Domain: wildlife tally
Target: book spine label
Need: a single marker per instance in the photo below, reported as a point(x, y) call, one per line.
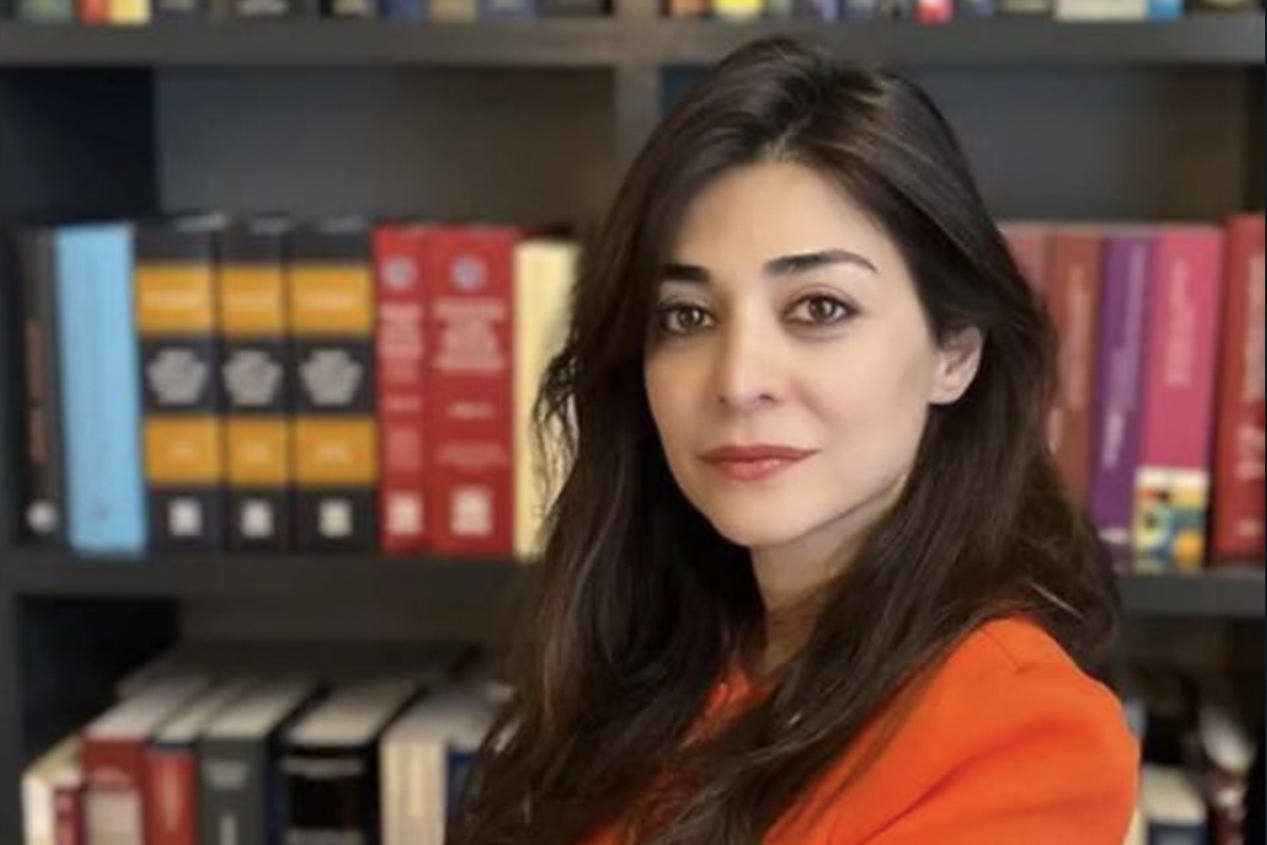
point(330, 796)
point(171, 793)
point(1172, 484)
point(1123, 335)
point(233, 793)
point(257, 387)
point(100, 392)
point(1073, 294)
point(332, 353)
point(176, 320)
point(400, 260)
point(68, 814)
point(1237, 531)
point(43, 501)
point(470, 400)
point(114, 790)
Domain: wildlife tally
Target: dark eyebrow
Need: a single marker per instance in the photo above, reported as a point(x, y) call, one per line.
point(784, 265)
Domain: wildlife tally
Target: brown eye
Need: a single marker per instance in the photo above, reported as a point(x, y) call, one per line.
point(681, 319)
point(820, 310)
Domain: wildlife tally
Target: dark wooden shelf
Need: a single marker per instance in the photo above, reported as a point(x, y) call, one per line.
point(53, 574)
point(1230, 40)
point(1231, 593)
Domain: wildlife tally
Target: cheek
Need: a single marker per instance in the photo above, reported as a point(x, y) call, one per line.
point(670, 397)
point(877, 404)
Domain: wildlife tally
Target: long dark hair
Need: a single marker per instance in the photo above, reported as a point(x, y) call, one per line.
point(644, 605)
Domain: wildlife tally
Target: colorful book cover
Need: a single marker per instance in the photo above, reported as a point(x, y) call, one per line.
point(401, 265)
point(257, 385)
point(182, 427)
point(470, 408)
point(1173, 481)
point(1073, 296)
point(100, 390)
point(1238, 501)
point(1123, 339)
point(335, 446)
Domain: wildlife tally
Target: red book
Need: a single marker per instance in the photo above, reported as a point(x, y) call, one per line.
point(400, 271)
point(933, 11)
point(1028, 244)
point(1173, 480)
point(172, 782)
point(94, 11)
point(1073, 296)
point(68, 810)
point(113, 758)
point(1238, 501)
point(470, 398)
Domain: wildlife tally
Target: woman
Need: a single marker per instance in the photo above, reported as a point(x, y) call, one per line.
point(811, 576)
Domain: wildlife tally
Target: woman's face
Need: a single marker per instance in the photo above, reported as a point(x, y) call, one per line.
point(791, 366)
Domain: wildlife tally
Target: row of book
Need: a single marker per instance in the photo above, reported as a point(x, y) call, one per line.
point(201, 756)
point(342, 385)
point(199, 384)
point(1157, 424)
point(1201, 768)
point(144, 12)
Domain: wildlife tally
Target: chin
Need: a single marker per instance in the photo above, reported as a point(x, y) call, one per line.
point(766, 528)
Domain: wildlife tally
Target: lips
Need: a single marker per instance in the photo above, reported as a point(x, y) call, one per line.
point(754, 463)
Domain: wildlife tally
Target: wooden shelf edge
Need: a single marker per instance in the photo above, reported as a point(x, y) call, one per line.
point(605, 43)
point(1234, 592)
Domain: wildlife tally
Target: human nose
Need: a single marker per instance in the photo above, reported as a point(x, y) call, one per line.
point(748, 371)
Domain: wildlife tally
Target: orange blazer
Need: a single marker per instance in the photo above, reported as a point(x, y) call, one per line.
point(1010, 743)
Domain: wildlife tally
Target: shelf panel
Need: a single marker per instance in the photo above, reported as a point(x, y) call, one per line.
point(54, 574)
point(316, 43)
point(607, 42)
point(1215, 40)
point(1231, 593)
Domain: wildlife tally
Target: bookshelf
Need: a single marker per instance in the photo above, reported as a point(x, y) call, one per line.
point(132, 121)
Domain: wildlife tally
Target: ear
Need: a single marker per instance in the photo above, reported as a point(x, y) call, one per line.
point(958, 359)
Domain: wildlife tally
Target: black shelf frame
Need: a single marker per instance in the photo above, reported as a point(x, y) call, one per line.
point(629, 40)
point(1234, 592)
point(638, 49)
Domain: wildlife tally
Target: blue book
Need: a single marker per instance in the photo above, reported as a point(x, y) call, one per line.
point(403, 10)
point(1165, 10)
point(105, 488)
point(490, 10)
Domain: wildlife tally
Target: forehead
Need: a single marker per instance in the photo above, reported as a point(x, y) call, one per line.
point(758, 211)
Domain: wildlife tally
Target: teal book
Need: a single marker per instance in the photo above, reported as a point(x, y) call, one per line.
point(100, 391)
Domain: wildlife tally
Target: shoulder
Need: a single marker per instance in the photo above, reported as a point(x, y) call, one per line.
point(1008, 741)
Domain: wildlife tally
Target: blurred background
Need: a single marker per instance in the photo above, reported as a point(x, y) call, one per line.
point(279, 278)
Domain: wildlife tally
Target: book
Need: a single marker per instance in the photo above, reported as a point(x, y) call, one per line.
point(54, 774)
point(401, 265)
point(182, 427)
point(426, 754)
point(1027, 242)
point(1073, 295)
point(329, 764)
point(335, 445)
point(1171, 806)
point(470, 383)
point(100, 391)
point(45, 11)
point(545, 271)
point(257, 385)
point(172, 766)
point(1101, 10)
point(113, 757)
point(1121, 346)
point(1238, 494)
point(44, 498)
point(1173, 480)
point(238, 792)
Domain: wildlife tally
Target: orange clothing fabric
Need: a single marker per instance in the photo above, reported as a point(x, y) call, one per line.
point(1010, 743)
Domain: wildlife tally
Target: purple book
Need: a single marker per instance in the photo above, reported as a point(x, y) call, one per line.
point(1119, 360)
